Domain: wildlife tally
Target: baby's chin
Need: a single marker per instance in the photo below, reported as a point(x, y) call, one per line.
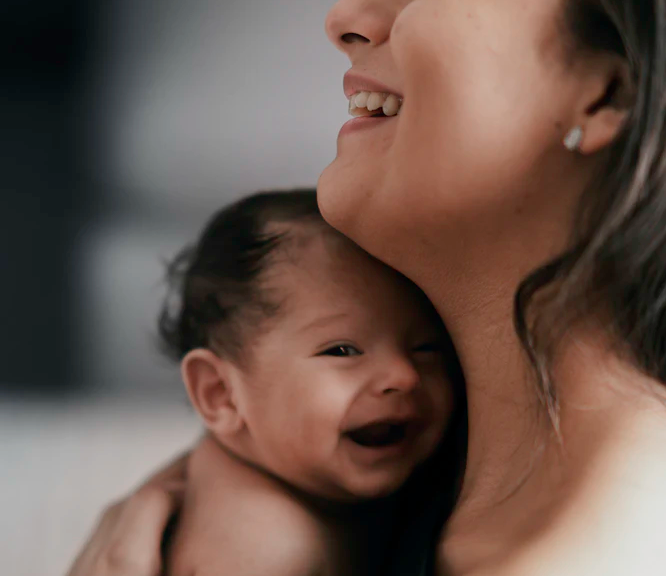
point(361, 490)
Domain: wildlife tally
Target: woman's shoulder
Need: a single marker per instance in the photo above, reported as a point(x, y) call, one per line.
point(615, 539)
point(572, 558)
point(568, 559)
point(609, 520)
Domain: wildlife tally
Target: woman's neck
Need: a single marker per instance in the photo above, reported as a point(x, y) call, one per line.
point(502, 402)
point(519, 474)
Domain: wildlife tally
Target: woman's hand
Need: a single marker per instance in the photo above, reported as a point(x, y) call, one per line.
point(127, 540)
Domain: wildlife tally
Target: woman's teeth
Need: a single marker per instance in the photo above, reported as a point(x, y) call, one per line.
point(374, 103)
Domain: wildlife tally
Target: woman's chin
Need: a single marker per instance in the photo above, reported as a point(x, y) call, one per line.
point(339, 198)
point(358, 209)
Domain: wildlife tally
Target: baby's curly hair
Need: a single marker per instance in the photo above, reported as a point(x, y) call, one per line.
point(215, 291)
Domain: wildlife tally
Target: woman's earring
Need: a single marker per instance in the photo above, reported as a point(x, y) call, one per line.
point(573, 139)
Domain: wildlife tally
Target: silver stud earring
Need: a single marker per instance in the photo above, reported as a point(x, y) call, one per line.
point(573, 139)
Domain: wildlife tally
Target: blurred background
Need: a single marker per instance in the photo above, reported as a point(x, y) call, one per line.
point(125, 124)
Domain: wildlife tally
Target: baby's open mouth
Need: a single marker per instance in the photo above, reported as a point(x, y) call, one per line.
point(374, 104)
point(378, 435)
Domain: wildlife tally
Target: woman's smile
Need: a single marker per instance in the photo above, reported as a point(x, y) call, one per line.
point(371, 103)
point(523, 189)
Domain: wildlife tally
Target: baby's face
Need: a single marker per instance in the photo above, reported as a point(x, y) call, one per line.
point(346, 391)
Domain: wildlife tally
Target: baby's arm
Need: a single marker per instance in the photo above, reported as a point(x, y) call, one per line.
point(237, 522)
point(263, 536)
point(281, 553)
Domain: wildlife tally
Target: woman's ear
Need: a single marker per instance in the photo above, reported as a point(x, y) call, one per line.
point(608, 97)
point(212, 385)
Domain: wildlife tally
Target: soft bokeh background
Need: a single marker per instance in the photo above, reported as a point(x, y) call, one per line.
point(125, 123)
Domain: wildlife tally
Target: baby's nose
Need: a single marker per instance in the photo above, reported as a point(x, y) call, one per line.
point(398, 375)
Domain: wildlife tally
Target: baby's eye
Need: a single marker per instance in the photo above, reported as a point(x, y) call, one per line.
point(341, 351)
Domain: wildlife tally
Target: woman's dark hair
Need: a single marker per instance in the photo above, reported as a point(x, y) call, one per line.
point(617, 261)
point(216, 294)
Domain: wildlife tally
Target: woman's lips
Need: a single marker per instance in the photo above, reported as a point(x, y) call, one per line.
point(364, 123)
point(354, 82)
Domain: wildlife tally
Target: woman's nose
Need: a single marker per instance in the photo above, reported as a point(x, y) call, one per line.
point(399, 375)
point(354, 23)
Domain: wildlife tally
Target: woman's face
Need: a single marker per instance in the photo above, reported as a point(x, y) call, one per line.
point(487, 96)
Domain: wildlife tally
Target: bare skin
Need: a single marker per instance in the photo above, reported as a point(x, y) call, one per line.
point(466, 192)
point(298, 535)
point(352, 345)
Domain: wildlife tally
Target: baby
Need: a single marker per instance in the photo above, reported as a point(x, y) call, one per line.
point(321, 377)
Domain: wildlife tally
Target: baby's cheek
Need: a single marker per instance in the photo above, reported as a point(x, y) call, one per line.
point(441, 403)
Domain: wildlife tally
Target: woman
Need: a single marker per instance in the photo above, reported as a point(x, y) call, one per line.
point(523, 186)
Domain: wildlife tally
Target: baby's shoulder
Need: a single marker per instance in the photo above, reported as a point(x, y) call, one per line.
point(261, 535)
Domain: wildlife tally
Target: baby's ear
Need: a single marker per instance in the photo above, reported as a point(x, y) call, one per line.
point(211, 384)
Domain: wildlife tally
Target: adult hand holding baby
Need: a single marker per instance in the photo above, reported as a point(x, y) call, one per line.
point(127, 540)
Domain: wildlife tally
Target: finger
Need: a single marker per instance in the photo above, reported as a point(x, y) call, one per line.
point(96, 542)
point(137, 537)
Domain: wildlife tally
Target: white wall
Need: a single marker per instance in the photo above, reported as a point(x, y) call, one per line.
point(205, 98)
point(198, 102)
point(61, 465)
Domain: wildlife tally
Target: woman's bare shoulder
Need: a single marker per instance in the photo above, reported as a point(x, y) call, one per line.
point(603, 545)
point(608, 522)
point(572, 559)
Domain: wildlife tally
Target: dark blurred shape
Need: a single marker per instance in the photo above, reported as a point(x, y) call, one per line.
point(46, 59)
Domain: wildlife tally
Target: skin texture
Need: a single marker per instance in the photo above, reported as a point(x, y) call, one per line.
point(354, 343)
point(282, 413)
point(217, 534)
point(465, 192)
point(293, 542)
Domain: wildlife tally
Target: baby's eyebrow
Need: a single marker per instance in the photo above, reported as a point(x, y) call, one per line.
point(323, 321)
